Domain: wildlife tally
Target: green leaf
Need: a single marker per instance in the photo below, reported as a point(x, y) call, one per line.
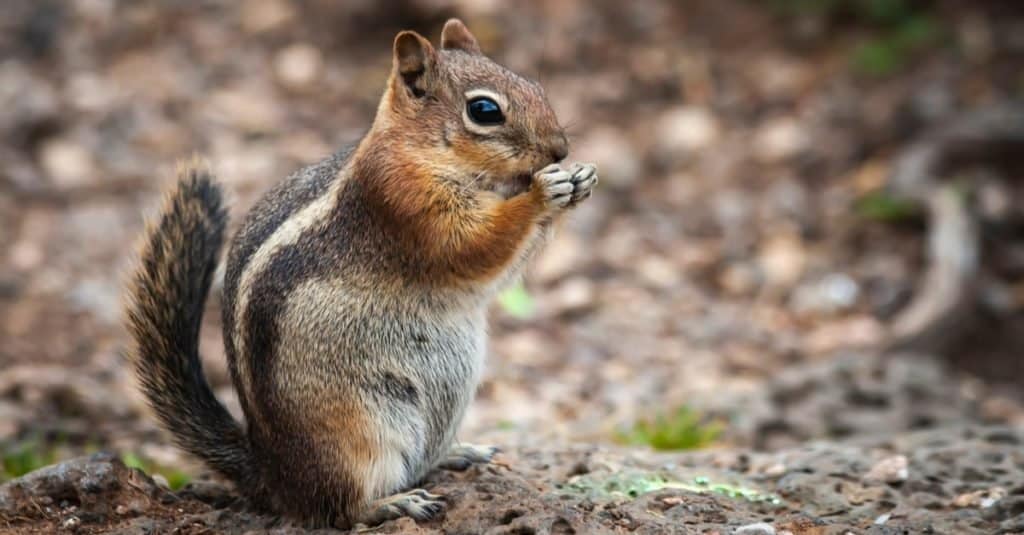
point(881, 206)
point(133, 461)
point(878, 57)
point(916, 31)
point(516, 302)
point(175, 478)
point(26, 457)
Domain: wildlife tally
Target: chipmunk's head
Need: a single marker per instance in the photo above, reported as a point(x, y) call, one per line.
point(473, 120)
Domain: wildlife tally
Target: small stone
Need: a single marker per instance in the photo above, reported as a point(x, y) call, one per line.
point(249, 109)
point(834, 293)
point(298, 66)
point(847, 332)
point(775, 470)
point(672, 500)
point(26, 255)
point(760, 528)
point(68, 164)
point(782, 260)
point(266, 15)
point(981, 499)
point(889, 470)
point(573, 295)
point(658, 271)
point(71, 523)
point(780, 139)
point(685, 129)
point(159, 479)
point(1002, 409)
point(739, 279)
point(121, 510)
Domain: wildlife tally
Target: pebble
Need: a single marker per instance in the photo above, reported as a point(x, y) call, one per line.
point(782, 260)
point(981, 499)
point(658, 271)
point(775, 470)
point(573, 295)
point(889, 470)
point(266, 15)
point(780, 139)
point(834, 293)
point(760, 528)
point(67, 163)
point(686, 129)
point(739, 279)
point(71, 523)
point(248, 109)
point(298, 66)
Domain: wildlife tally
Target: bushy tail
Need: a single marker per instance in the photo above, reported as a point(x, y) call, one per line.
point(166, 296)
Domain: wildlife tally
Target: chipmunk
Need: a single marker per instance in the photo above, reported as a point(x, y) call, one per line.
point(355, 292)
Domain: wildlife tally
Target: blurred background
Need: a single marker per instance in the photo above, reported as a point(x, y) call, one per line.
point(809, 223)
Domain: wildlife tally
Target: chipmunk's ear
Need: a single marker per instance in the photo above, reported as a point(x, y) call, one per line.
point(414, 61)
point(455, 36)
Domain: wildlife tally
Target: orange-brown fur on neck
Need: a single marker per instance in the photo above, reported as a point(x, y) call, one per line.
point(454, 233)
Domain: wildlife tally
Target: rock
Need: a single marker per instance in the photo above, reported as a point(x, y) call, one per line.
point(760, 528)
point(780, 139)
point(857, 331)
point(782, 259)
point(247, 108)
point(685, 129)
point(260, 16)
point(981, 499)
point(100, 485)
point(739, 278)
point(66, 163)
point(659, 272)
point(71, 523)
point(298, 66)
point(834, 293)
point(574, 295)
point(889, 470)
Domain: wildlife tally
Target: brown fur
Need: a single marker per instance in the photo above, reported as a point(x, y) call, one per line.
point(355, 291)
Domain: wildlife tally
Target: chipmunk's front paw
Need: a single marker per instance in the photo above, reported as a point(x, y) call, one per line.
point(462, 456)
point(556, 185)
point(584, 178)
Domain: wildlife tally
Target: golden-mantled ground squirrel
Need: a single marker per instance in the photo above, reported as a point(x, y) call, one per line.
point(356, 291)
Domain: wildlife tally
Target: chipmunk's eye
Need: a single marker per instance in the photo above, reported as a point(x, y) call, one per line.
point(485, 111)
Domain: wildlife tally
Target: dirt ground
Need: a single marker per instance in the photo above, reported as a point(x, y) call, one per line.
point(736, 260)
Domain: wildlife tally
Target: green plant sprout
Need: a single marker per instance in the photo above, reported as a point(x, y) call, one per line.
point(682, 429)
point(175, 478)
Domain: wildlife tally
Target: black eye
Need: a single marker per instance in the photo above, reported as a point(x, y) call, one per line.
point(485, 111)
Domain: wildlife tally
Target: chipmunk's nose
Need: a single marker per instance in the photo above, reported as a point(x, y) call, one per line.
point(559, 147)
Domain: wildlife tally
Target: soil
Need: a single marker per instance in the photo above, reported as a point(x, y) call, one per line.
point(731, 261)
point(959, 480)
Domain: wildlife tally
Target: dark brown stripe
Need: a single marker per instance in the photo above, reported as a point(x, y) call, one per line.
point(266, 216)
